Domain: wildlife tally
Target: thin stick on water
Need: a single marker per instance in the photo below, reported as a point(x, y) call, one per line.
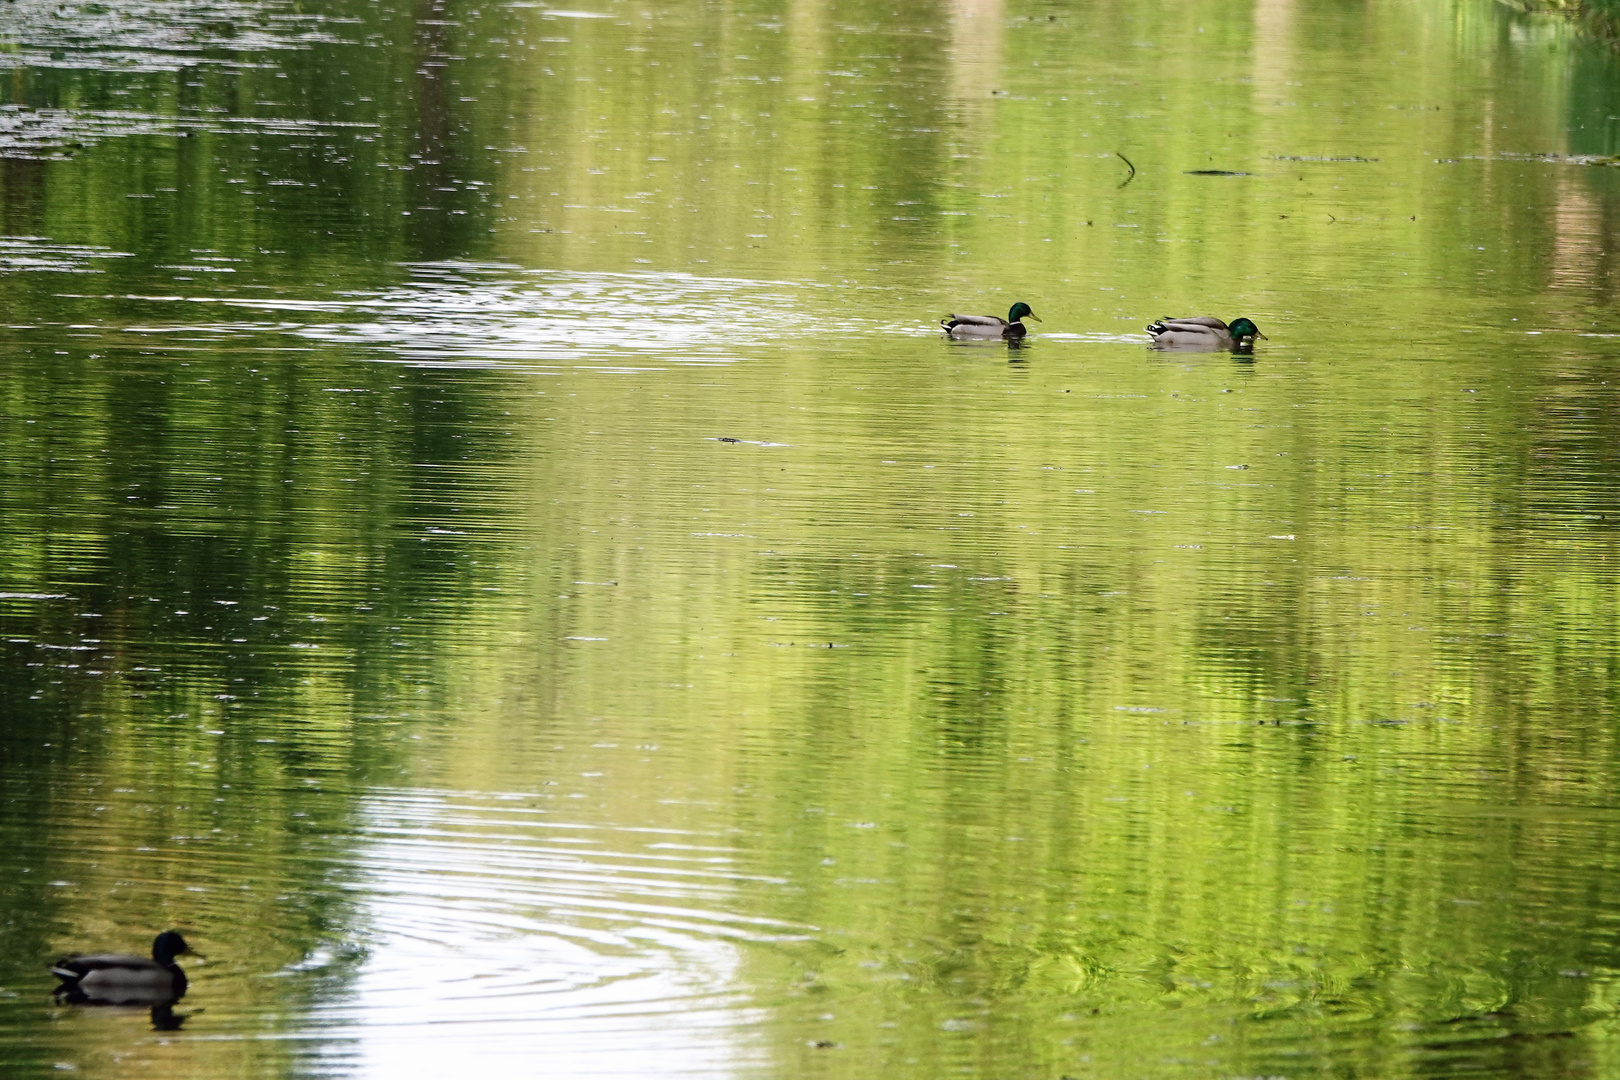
point(1128, 165)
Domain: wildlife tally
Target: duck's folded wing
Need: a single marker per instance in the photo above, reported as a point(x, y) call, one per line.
point(77, 967)
point(1193, 322)
point(974, 320)
point(1187, 330)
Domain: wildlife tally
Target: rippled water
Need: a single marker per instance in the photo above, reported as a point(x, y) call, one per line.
point(613, 948)
point(494, 547)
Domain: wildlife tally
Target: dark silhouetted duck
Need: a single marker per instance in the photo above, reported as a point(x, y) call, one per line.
point(117, 979)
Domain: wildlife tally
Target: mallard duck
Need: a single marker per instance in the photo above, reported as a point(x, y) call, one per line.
point(988, 326)
point(117, 979)
point(1204, 332)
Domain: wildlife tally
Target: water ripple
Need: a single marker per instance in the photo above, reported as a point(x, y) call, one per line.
point(25, 253)
point(29, 134)
point(464, 314)
point(152, 36)
point(621, 947)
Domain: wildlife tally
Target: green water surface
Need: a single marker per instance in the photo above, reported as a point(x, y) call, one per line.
point(494, 546)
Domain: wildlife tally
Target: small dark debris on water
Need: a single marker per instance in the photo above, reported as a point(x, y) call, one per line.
point(1308, 157)
point(727, 438)
point(824, 1044)
point(1129, 166)
point(1216, 172)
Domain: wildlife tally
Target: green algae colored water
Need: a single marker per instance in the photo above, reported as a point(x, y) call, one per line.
point(494, 546)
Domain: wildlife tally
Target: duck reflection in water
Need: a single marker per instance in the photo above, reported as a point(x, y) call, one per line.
point(122, 979)
point(1013, 345)
point(1016, 348)
point(164, 1018)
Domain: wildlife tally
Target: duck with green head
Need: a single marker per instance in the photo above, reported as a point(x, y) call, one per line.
point(1204, 333)
point(989, 326)
point(122, 979)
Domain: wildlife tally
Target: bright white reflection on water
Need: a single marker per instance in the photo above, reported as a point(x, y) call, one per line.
point(593, 950)
point(501, 316)
point(508, 316)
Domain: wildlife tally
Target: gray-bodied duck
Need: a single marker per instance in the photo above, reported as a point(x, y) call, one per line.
point(1204, 332)
point(988, 326)
point(120, 979)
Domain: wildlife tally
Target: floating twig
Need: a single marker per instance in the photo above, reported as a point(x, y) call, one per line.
point(1128, 165)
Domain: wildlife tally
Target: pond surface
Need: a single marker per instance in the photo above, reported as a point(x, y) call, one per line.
point(494, 546)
